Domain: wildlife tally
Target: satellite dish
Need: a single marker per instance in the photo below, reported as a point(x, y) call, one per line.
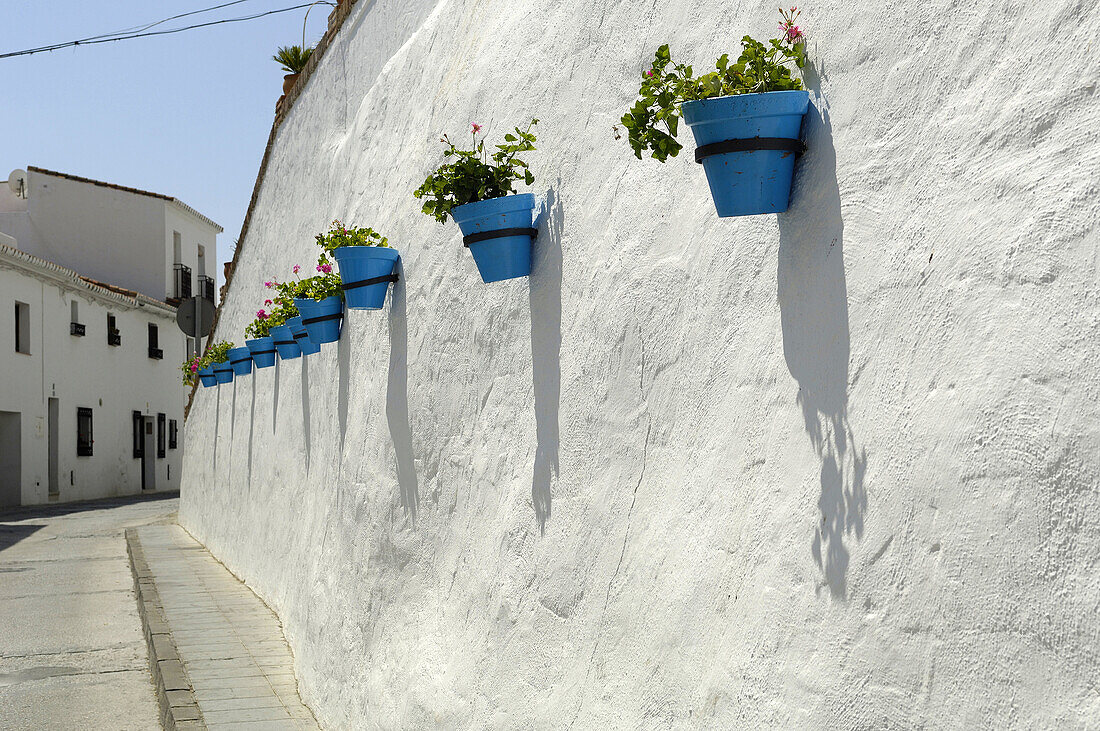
point(17, 181)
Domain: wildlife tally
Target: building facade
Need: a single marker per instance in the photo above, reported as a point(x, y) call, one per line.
point(146, 242)
point(91, 403)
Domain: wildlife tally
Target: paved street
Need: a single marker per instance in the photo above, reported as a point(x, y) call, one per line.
point(72, 654)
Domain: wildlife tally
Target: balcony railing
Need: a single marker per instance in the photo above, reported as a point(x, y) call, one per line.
point(114, 338)
point(76, 328)
point(206, 287)
point(182, 274)
point(156, 353)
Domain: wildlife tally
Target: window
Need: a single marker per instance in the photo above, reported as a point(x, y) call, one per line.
point(22, 328)
point(173, 434)
point(138, 434)
point(114, 337)
point(177, 248)
point(160, 435)
point(154, 350)
point(84, 439)
point(75, 326)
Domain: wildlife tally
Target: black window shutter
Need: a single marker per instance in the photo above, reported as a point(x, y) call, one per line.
point(160, 435)
point(83, 431)
point(173, 434)
point(139, 436)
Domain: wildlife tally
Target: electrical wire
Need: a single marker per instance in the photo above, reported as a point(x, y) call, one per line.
point(125, 36)
point(147, 26)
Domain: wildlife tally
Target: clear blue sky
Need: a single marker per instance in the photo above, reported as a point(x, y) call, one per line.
point(186, 115)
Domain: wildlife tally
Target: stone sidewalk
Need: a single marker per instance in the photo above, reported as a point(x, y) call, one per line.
point(219, 656)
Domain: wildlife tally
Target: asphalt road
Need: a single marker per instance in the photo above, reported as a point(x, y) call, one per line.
point(72, 654)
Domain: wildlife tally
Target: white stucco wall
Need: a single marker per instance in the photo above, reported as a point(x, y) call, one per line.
point(836, 468)
point(86, 371)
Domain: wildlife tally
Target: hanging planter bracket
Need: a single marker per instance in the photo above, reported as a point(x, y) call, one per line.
point(498, 234)
point(322, 318)
point(784, 144)
point(367, 282)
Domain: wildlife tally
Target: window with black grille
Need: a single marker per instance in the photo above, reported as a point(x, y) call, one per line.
point(160, 435)
point(173, 434)
point(83, 431)
point(138, 434)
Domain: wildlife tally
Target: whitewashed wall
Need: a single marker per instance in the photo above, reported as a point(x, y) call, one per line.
point(836, 468)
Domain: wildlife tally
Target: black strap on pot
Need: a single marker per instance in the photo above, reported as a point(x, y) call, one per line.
point(367, 282)
point(262, 352)
point(301, 335)
point(285, 342)
point(498, 234)
point(784, 144)
point(240, 360)
point(322, 318)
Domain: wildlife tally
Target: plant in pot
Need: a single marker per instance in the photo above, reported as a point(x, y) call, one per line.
point(197, 368)
point(282, 336)
point(475, 189)
point(320, 303)
point(292, 59)
point(367, 264)
point(746, 117)
point(261, 344)
point(217, 356)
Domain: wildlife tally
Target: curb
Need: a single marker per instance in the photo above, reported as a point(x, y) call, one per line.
point(178, 709)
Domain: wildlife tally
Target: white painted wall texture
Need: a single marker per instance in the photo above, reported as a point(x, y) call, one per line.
point(836, 468)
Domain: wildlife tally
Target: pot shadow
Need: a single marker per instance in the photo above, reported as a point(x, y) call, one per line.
point(397, 397)
point(813, 303)
point(233, 420)
point(305, 407)
point(251, 428)
point(343, 366)
point(545, 301)
point(217, 425)
point(275, 397)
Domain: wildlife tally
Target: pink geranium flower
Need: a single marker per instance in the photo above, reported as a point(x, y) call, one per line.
point(267, 302)
point(475, 127)
point(296, 268)
point(326, 268)
point(261, 314)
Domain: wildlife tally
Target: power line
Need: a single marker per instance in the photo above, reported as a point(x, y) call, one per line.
point(147, 26)
point(125, 36)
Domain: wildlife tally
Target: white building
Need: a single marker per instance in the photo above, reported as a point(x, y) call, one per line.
point(108, 232)
point(91, 403)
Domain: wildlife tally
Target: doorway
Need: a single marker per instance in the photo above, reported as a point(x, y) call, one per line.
point(11, 459)
point(55, 490)
point(149, 454)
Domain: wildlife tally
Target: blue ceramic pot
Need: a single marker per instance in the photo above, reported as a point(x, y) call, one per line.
point(262, 350)
point(322, 319)
point(503, 257)
point(752, 181)
point(285, 344)
point(223, 372)
point(206, 375)
point(361, 264)
point(241, 361)
point(307, 346)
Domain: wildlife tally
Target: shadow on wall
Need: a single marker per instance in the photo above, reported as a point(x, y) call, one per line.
point(305, 408)
point(813, 303)
point(343, 366)
point(397, 397)
point(545, 296)
point(251, 425)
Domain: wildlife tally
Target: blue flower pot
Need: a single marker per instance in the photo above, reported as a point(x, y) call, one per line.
point(755, 180)
point(262, 350)
point(206, 375)
point(241, 361)
point(307, 346)
point(285, 344)
point(322, 319)
point(363, 264)
point(223, 372)
point(499, 257)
